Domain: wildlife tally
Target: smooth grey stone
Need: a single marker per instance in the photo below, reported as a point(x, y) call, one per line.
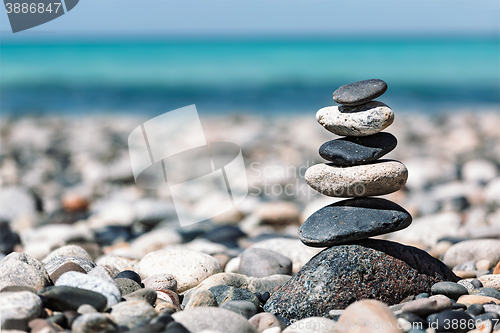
point(149, 295)
point(351, 220)
point(175, 327)
point(261, 263)
point(128, 314)
point(422, 295)
point(86, 308)
point(340, 275)
point(360, 92)
point(8, 238)
point(19, 269)
point(127, 286)
point(466, 266)
point(161, 282)
point(355, 150)
point(216, 319)
point(475, 309)
point(63, 298)
point(55, 262)
point(94, 323)
point(426, 306)
point(200, 297)
point(490, 292)
point(450, 289)
point(412, 318)
point(225, 293)
point(84, 281)
point(245, 308)
point(18, 308)
point(476, 283)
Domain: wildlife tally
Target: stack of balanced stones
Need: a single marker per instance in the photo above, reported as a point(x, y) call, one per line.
point(356, 170)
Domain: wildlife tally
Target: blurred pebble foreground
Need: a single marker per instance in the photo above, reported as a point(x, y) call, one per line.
point(68, 181)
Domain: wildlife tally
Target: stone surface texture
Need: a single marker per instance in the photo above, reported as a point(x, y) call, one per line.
point(360, 92)
point(378, 178)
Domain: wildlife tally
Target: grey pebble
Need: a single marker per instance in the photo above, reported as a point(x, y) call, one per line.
point(85, 281)
point(18, 308)
point(360, 92)
point(127, 286)
point(215, 319)
point(450, 289)
point(245, 308)
point(262, 263)
point(149, 295)
point(128, 314)
point(94, 323)
point(19, 269)
point(55, 262)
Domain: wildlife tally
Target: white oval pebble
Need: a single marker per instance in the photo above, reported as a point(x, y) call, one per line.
point(189, 268)
point(379, 178)
point(361, 120)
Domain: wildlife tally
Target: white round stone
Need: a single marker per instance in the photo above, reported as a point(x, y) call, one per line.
point(361, 120)
point(188, 267)
point(379, 178)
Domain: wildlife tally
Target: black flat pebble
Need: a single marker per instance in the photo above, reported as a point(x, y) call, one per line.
point(360, 92)
point(62, 298)
point(351, 220)
point(129, 275)
point(356, 150)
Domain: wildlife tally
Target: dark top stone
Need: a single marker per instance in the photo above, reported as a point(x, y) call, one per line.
point(360, 92)
point(449, 289)
point(353, 219)
point(340, 275)
point(355, 150)
point(62, 298)
point(475, 309)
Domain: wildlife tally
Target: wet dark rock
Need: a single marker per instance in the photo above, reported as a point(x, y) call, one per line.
point(360, 92)
point(341, 275)
point(355, 150)
point(62, 298)
point(449, 289)
point(445, 319)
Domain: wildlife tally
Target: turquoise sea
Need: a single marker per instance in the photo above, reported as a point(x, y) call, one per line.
point(245, 76)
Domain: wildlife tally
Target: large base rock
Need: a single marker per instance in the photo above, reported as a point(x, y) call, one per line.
point(370, 268)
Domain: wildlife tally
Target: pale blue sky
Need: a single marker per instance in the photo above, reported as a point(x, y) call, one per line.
point(269, 17)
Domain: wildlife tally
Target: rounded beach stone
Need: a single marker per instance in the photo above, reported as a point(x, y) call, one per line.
point(68, 250)
point(312, 325)
point(370, 316)
point(63, 298)
point(201, 297)
point(55, 262)
point(94, 322)
point(261, 263)
point(291, 248)
point(18, 308)
point(189, 268)
point(474, 309)
point(471, 299)
point(245, 308)
point(443, 320)
point(128, 314)
point(120, 263)
point(224, 294)
point(360, 92)
point(426, 306)
point(19, 269)
point(161, 282)
point(84, 281)
point(67, 267)
point(355, 150)
point(362, 120)
point(340, 275)
point(378, 178)
point(127, 286)
point(450, 289)
point(490, 281)
point(352, 219)
point(473, 250)
point(210, 318)
point(485, 291)
point(265, 320)
point(149, 295)
point(129, 275)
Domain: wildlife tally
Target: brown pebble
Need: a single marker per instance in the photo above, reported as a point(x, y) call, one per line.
point(41, 325)
point(67, 267)
point(471, 299)
point(222, 258)
point(465, 274)
point(497, 269)
point(73, 202)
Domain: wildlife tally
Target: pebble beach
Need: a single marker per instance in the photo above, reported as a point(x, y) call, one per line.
point(84, 249)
